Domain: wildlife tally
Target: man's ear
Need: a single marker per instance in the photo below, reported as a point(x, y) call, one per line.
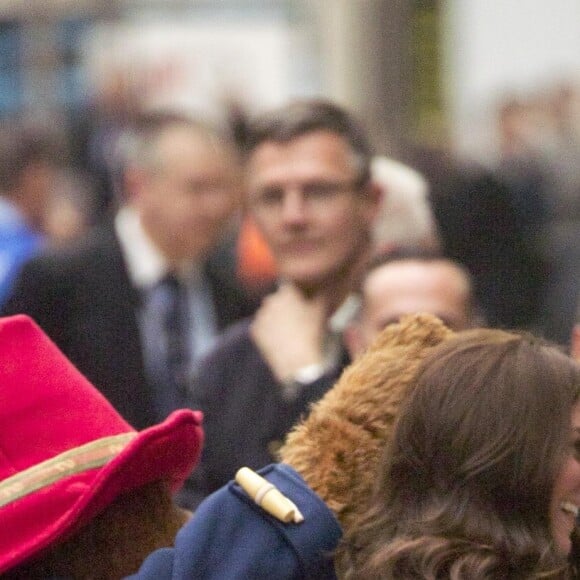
point(375, 198)
point(133, 180)
point(575, 343)
point(377, 194)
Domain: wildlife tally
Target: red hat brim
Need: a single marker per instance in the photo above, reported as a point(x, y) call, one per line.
point(167, 451)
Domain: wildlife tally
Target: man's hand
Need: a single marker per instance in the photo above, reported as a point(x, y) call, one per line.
point(289, 330)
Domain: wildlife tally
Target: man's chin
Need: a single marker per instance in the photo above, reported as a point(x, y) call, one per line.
point(309, 284)
point(313, 278)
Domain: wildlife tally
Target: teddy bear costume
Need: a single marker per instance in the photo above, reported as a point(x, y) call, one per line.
point(65, 454)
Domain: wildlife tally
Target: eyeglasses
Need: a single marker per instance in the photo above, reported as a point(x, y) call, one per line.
point(314, 194)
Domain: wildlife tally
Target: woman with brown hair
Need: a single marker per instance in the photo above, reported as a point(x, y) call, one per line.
point(482, 478)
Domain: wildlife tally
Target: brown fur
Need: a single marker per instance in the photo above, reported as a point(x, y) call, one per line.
point(337, 447)
point(115, 543)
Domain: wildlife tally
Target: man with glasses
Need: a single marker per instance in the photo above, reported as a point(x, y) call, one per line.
point(310, 194)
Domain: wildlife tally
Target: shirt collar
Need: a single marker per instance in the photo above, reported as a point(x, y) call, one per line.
point(145, 263)
point(344, 314)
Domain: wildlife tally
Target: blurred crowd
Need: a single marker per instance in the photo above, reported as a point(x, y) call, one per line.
point(239, 268)
point(540, 147)
point(173, 260)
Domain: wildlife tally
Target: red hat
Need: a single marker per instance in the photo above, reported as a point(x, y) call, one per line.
point(65, 453)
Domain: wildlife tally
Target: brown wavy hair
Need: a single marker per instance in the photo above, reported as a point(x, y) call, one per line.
point(465, 484)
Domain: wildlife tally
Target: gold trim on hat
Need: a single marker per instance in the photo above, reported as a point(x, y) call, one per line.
point(89, 456)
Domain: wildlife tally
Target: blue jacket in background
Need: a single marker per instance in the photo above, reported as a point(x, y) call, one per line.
point(230, 537)
point(18, 243)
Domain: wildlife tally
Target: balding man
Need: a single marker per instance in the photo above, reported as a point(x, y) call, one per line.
point(406, 282)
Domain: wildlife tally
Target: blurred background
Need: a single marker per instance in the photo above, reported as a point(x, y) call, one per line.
point(481, 83)
point(431, 70)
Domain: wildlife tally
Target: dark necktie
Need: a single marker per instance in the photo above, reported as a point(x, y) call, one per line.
point(176, 332)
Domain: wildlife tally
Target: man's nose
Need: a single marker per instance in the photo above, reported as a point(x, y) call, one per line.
point(294, 206)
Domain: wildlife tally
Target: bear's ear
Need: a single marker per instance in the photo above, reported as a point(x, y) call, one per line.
point(337, 447)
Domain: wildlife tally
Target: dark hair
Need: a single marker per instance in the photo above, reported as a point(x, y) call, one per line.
point(404, 253)
point(467, 480)
point(305, 116)
point(416, 254)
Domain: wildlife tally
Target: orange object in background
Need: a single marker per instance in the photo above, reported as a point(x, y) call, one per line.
point(256, 267)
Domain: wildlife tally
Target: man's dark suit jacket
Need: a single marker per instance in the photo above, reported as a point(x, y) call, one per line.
point(84, 300)
point(246, 416)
